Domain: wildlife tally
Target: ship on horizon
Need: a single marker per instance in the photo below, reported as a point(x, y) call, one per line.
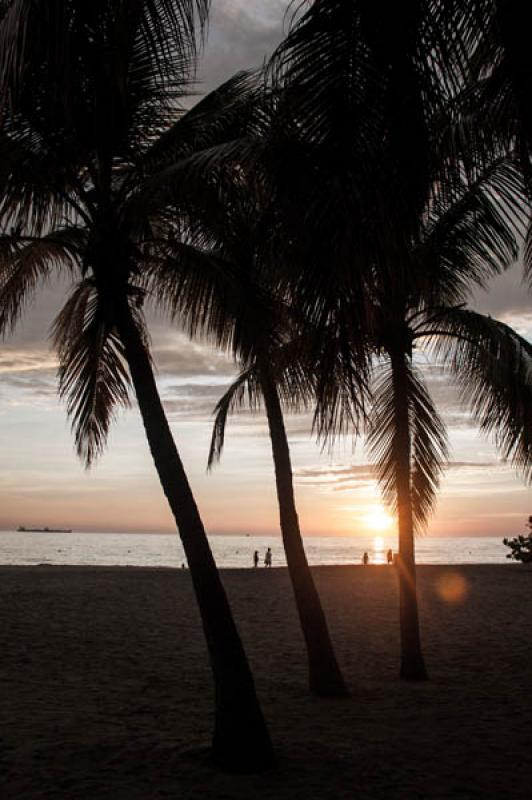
point(23, 529)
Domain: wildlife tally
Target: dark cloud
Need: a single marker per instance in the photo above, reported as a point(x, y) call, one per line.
point(505, 296)
point(242, 35)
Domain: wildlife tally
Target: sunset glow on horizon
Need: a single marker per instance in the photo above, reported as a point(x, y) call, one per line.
point(378, 520)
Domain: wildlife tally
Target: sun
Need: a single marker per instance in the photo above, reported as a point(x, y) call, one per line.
point(378, 520)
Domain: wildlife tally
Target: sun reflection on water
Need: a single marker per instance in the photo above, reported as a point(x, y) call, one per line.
point(378, 550)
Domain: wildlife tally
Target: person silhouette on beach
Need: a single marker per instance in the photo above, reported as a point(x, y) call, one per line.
point(256, 558)
point(365, 559)
point(389, 556)
point(268, 557)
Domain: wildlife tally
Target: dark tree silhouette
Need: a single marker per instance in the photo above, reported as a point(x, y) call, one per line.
point(461, 240)
point(91, 117)
point(224, 280)
point(520, 546)
point(374, 95)
point(495, 62)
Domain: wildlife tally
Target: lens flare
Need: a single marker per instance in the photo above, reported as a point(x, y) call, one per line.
point(452, 587)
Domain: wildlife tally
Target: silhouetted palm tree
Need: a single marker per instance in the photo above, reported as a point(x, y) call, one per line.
point(461, 240)
point(224, 282)
point(91, 115)
point(372, 92)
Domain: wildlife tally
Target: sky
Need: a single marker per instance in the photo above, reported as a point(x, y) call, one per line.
point(42, 482)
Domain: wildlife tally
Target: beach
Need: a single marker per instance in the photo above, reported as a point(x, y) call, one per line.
point(106, 689)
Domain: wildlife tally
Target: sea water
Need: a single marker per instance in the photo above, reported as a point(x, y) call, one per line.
point(165, 550)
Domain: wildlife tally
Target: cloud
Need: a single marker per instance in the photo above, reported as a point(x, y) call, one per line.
point(29, 359)
point(473, 464)
point(242, 34)
point(191, 399)
point(505, 296)
point(27, 376)
point(340, 478)
point(336, 478)
point(335, 471)
point(38, 387)
point(174, 354)
point(195, 390)
point(188, 361)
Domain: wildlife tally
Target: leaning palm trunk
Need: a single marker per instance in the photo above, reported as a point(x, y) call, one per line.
point(241, 741)
point(412, 662)
point(325, 677)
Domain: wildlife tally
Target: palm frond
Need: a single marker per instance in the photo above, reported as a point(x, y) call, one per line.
point(168, 29)
point(342, 377)
point(95, 83)
point(473, 233)
point(210, 297)
point(429, 453)
point(288, 373)
point(369, 78)
point(527, 254)
point(385, 440)
point(492, 365)
point(37, 185)
point(25, 262)
point(233, 398)
point(222, 115)
point(93, 376)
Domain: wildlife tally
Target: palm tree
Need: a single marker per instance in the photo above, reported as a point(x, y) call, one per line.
point(461, 240)
point(264, 380)
point(223, 283)
point(374, 94)
point(91, 96)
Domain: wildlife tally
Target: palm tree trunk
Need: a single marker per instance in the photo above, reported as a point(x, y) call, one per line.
point(241, 741)
point(412, 662)
point(325, 677)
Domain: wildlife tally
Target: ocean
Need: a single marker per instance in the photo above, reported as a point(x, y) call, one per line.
point(164, 550)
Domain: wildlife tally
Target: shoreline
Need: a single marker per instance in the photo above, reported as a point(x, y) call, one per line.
point(272, 535)
point(251, 570)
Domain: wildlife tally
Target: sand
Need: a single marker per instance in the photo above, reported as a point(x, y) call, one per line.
point(105, 688)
